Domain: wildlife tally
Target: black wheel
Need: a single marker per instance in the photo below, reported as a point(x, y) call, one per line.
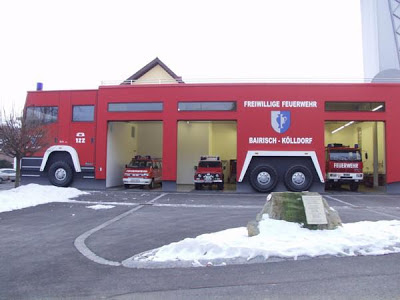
point(127, 186)
point(152, 184)
point(263, 178)
point(328, 186)
point(1, 180)
point(220, 186)
point(197, 186)
point(354, 186)
point(60, 174)
point(298, 178)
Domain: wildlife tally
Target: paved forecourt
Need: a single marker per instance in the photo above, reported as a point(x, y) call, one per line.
point(45, 260)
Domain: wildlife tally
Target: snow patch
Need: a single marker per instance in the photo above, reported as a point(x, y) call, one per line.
point(283, 239)
point(100, 206)
point(34, 194)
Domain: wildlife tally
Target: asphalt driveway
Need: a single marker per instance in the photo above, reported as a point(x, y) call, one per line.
point(41, 257)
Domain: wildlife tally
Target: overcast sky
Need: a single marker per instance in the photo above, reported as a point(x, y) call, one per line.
point(78, 44)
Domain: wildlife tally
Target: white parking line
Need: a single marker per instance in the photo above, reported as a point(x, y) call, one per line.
point(151, 202)
point(366, 208)
point(341, 201)
point(85, 251)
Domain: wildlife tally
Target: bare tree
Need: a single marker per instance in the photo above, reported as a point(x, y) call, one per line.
point(21, 136)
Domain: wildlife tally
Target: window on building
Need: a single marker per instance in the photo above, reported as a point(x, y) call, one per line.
point(43, 114)
point(207, 106)
point(354, 106)
point(135, 107)
point(83, 113)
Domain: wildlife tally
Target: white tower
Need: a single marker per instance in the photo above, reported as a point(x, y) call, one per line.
point(381, 39)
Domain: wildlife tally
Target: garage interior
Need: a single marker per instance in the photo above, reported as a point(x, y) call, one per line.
point(127, 139)
point(370, 136)
point(197, 138)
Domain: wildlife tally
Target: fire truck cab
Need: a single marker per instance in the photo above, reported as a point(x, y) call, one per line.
point(343, 166)
point(143, 171)
point(209, 172)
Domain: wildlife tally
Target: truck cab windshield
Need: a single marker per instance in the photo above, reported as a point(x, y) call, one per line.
point(140, 164)
point(345, 155)
point(210, 164)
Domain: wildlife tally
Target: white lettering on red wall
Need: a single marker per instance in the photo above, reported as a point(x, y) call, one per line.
point(345, 165)
point(284, 140)
point(278, 103)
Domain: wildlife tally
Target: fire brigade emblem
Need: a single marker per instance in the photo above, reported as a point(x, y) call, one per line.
point(280, 121)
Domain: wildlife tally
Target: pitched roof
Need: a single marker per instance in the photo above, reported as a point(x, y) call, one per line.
point(150, 66)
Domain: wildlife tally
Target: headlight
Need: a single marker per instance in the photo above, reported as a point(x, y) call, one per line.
point(198, 175)
point(217, 175)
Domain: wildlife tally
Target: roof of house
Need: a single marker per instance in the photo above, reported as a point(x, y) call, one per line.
point(150, 66)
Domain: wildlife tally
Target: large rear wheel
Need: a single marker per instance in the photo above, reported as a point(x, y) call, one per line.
point(263, 178)
point(298, 178)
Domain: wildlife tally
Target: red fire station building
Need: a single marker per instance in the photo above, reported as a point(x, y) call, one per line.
point(269, 137)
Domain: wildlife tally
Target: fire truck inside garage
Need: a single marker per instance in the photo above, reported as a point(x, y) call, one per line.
point(276, 134)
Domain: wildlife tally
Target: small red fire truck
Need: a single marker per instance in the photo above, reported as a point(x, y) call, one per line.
point(143, 171)
point(343, 166)
point(209, 172)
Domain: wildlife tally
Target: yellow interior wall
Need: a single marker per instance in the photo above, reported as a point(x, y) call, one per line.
point(204, 138)
point(149, 138)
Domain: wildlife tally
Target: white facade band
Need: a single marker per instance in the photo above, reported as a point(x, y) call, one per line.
point(251, 154)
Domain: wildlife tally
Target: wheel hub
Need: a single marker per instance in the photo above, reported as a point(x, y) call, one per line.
point(263, 178)
point(298, 178)
point(60, 174)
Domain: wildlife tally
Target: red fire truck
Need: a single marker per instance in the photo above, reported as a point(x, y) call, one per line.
point(209, 172)
point(143, 171)
point(343, 166)
point(280, 130)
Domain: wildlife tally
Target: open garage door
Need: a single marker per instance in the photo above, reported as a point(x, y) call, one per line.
point(128, 139)
point(369, 139)
point(206, 138)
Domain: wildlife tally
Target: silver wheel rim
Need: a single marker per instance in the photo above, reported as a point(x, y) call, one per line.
point(60, 174)
point(298, 178)
point(263, 178)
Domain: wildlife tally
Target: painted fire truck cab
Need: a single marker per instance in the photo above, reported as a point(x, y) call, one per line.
point(343, 166)
point(143, 171)
point(209, 172)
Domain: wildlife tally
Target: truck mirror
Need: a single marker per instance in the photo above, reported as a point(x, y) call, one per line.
point(366, 155)
point(126, 166)
point(224, 168)
point(195, 167)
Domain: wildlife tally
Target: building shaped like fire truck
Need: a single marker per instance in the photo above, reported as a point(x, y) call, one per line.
point(276, 134)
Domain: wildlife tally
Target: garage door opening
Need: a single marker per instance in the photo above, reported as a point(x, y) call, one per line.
point(125, 140)
point(206, 138)
point(369, 139)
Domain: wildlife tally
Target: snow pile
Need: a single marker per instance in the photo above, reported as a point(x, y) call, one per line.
point(279, 238)
point(100, 206)
point(34, 194)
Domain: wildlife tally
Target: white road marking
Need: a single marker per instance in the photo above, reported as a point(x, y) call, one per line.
point(383, 214)
point(163, 204)
point(366, 208)
point(341, 201)
point(85, 251)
